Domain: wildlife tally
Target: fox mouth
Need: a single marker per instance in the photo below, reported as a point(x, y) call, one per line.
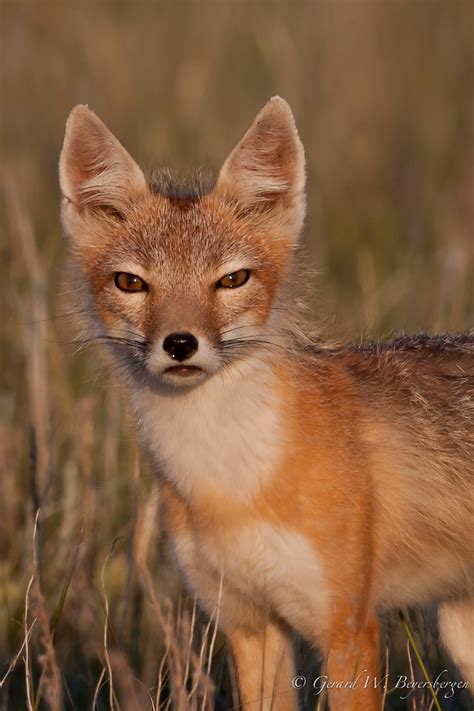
point(183, 371)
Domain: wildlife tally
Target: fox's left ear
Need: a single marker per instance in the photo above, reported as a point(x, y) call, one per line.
point(266, 170)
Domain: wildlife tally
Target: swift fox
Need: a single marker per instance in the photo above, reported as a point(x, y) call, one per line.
point(306, 486)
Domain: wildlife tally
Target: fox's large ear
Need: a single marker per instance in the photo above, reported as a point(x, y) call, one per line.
point(95, 170)
point(267, 167)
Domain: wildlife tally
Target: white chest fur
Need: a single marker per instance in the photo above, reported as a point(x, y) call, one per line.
point(279, 566)
point(269, 566)
point(225, 435)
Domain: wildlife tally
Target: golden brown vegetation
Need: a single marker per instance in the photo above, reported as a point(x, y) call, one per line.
point(91, 612)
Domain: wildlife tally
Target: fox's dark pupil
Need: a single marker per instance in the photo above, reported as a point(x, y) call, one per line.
point(133, 282)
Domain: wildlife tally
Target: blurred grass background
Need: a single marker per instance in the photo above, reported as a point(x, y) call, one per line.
point(383, 96)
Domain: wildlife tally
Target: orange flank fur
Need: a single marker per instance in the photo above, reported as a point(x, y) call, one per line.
point(307, 486)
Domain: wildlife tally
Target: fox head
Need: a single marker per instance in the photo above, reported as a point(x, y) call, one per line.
point(183, 285)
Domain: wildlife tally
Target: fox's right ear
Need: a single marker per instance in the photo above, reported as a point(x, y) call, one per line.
point(95, 170)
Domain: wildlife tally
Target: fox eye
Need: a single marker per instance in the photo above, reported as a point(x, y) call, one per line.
point(129, 282)
point(231, 281)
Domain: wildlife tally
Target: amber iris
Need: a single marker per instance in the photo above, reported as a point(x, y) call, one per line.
point(129, 282)
point(231, 281)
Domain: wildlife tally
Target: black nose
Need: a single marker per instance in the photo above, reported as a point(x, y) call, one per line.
point(180, 346)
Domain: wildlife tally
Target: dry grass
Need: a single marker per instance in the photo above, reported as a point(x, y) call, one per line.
point(92, 614)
